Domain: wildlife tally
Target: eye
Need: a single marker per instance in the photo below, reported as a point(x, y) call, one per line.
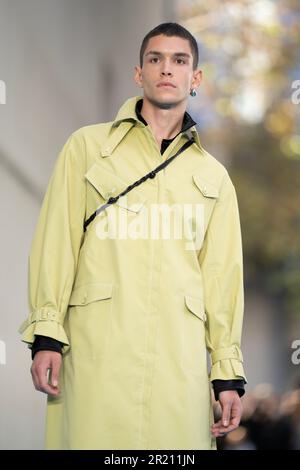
point(153, 58)
point(181, 61)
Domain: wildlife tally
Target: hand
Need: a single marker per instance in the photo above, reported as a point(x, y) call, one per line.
point(44, 360)
point(231, 413)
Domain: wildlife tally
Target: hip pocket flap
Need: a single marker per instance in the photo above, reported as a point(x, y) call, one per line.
point(87, 293)
point(196, 306)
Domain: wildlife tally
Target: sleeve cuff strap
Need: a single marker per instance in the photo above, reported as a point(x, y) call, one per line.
point(227, 364)
point(43, 314)
point(44, 322)
point(233, 352)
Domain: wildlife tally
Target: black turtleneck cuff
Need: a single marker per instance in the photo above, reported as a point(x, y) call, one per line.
point(44, 343)
point(223, 385)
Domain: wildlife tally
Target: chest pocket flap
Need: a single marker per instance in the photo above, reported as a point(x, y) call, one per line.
point(207, 189)
point(109, 184)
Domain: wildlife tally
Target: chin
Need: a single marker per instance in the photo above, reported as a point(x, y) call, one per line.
point(163, 102)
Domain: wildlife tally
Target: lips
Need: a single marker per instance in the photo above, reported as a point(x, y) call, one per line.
point(166, 84)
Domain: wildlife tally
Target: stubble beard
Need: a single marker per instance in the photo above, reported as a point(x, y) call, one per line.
point(163, 105)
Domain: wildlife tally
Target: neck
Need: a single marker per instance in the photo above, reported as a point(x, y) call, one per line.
point(165, 123)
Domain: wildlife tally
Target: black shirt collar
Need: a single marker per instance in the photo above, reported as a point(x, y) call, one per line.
point(186, 123)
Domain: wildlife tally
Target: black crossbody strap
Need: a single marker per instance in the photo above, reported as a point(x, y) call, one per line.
point(151, 174)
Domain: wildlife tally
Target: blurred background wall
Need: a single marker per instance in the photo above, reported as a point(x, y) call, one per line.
point(249, 117)
point(69, 63)
point(65, 63)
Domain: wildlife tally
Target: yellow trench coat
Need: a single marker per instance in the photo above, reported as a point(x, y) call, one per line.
point(137, 313)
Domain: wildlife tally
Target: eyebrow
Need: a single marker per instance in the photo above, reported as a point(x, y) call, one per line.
point(176, 54)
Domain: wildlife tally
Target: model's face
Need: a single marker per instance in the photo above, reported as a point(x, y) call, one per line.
point(167, 59)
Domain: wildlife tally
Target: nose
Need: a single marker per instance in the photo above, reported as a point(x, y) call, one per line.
point(165, 69)
point(166, 73)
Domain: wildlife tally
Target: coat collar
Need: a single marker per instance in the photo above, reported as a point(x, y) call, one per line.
point(188, 121)
point(125, 119)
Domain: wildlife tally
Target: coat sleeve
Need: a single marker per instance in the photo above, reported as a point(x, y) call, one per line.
point(221, 262)
point(55, 246)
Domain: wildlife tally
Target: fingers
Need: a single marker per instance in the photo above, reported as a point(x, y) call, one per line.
point(55, 373)
point(235, 419)
point(43, 362)
point(226, 413)
point(231, 413)
point(218, 430)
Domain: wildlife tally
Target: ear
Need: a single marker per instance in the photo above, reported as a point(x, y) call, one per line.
point(138, 75)
point(197, 78)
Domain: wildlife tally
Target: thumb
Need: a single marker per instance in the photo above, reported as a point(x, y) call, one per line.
point(55, 366)
point(226, 413)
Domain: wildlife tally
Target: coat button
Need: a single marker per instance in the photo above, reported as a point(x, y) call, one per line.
point(109, 193)
point(83, 300)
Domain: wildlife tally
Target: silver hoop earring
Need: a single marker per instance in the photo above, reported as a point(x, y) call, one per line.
point(193, 92)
